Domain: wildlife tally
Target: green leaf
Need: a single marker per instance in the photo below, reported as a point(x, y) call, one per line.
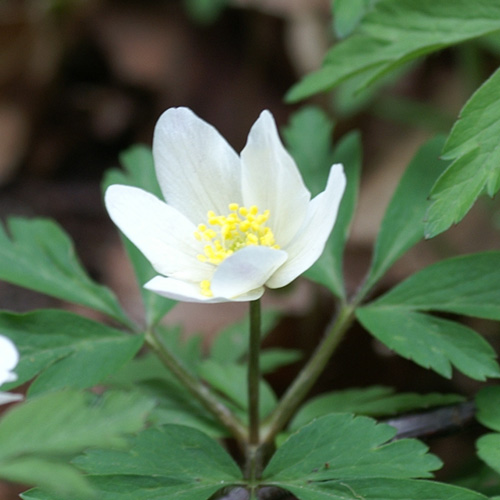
point(348, 13)
point(473, 145)
point(38, 436)
point(348, 100)
point(139, 172)
point(173, 451)
point(340, 446)
point(147, 375)
point(461, 285)
point(398, 31)
point(488, 413)
point(231, 344)
point(231, 380)
point(431, 342)
point(375, 401)
point(488, 450)
point(272, 359)
point(40, 256)
point(467, 284)
point(380, 489)
point(176, 406)
point(488, 407)
point(187, 350)
point(174, 462)
point(139, 369)
point(66, 350)
point(309, 140)
point(327, 270)
point(341, 457)
point(403, 222)
point(309, 137)
point(48, 474)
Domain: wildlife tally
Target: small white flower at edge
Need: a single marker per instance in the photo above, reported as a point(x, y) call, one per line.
point(9, 358)
point(232, 224)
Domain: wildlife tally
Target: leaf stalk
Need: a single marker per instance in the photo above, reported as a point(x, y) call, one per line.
point(199, 390)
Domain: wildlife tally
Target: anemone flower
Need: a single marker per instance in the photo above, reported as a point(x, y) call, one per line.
point(231, 224)
point(8, 361)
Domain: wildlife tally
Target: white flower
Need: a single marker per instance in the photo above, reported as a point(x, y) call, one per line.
point(232, 224)
point(9, 358)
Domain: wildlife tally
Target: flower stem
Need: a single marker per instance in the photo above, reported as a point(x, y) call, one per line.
point(197, 388)
point(308, 375)
point(254, 372)
point(253, 451)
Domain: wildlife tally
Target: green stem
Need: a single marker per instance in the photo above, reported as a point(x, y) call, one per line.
point(254, 372)
point(308, 375)
point(253, 452)
point(197, 388)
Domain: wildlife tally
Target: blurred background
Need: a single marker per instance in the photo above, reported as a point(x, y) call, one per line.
point(82, 80)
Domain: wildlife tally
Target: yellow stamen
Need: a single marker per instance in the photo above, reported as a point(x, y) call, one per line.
point(226, 234)
point(205, 288)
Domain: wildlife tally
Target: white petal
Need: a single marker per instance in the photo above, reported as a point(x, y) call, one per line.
point(271, 180)
point(9, 357)
point(7, 397)
point(310, 241)
point(246, 270)
point(7, 376)
point(159, 231)
point(190, 292)
point(197, 169)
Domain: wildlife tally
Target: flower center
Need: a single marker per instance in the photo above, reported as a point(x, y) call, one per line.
point(225, 234)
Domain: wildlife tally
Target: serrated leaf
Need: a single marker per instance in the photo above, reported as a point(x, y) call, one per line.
point(63, 349)
point(380, 489)
point(431, 342)
point(46, 430)
point(139, 172)
point(174, 451)
point(328, 270)
point(473, 144)
point(340, 446)
point(375, 401)
point(467, 284)
point(403, 222)
point(138, 488)
point(174, 462)
point(40, 256)
point(395, 32)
